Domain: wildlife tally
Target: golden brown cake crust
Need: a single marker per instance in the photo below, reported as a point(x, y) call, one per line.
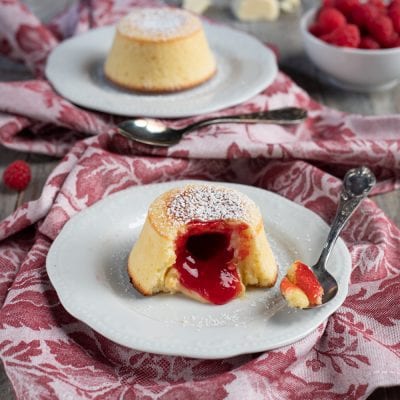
point(138, 287)
point(161, 89)
point(159, 50)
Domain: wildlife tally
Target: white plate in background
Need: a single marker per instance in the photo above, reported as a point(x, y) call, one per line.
point(245, 68)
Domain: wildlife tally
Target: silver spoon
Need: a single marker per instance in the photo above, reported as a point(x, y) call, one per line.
point(357, 183)
point(154, 132)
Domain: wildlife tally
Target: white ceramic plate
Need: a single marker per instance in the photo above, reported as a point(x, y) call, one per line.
point(245, 67)
point(87, 266)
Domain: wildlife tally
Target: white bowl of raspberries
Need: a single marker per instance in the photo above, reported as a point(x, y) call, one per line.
point(356, 42)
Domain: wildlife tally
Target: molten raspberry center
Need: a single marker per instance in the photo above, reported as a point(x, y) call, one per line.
point(206, 261)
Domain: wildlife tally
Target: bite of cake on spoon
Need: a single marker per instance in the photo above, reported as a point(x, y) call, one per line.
point(300, 287)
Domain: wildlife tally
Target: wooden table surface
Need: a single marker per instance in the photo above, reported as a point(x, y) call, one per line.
point(293, 61)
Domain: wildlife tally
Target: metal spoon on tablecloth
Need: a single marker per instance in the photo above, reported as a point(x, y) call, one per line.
point(154, 132)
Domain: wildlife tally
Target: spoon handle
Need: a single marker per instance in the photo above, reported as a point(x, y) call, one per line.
point(357, 183)
point(282, 116)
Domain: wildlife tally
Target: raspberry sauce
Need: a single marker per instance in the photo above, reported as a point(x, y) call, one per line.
point(306, 280)
point(207, 263)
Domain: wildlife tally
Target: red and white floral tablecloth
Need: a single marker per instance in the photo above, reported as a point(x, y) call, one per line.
point(48, 354)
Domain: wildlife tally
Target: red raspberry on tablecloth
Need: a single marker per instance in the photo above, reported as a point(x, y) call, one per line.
point(346, 36)
point(17, 175)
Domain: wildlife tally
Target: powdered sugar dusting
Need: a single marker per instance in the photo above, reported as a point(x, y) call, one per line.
point(226, 279)
point(207, 203)
point(192, 271)
point(160, 23)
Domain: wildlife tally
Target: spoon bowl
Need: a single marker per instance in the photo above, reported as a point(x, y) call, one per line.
point(328, 283)
point(154, 132)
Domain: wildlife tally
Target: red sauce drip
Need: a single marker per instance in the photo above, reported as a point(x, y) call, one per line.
point(206, 263)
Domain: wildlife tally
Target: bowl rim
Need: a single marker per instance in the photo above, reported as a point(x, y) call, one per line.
point(305, 22)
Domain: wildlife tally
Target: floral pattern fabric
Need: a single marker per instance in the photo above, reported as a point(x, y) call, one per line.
point(48, 354)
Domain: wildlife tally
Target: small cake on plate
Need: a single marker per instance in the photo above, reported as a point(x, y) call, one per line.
point(204, 240)
point(159, 50)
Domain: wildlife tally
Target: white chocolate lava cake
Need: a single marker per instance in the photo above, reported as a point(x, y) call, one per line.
point(159, 50)
point(205, 241)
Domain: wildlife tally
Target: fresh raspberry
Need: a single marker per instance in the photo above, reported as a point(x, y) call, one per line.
point(393, 40)
point(368, 43)
point(381, 29)
point(394, 15)
point(330, 19)
point(379, 4)
point(394, 3)
point(345, 36)
point(345, 6)
point(363, 14)
point(17, 175)
point(316, 30)
point(397, 43)
point(328, 3)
